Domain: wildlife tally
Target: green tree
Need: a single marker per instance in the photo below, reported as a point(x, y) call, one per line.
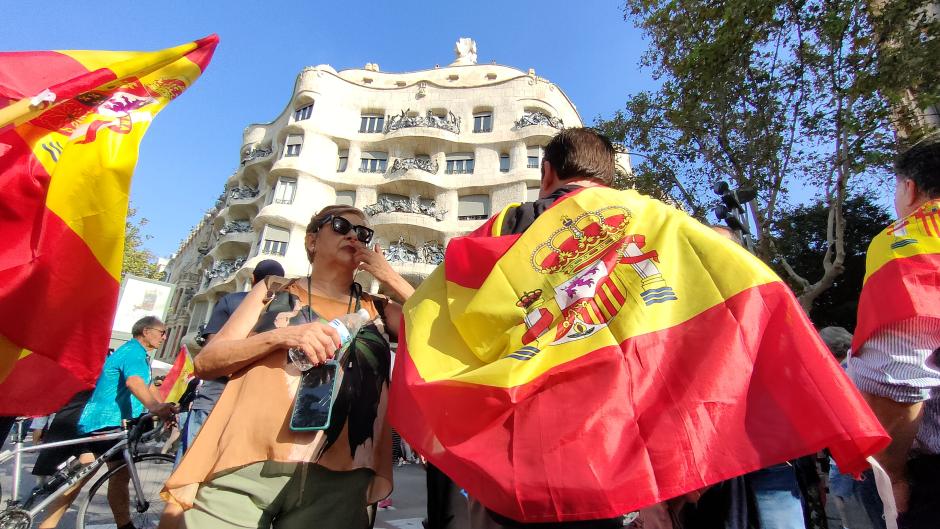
point(800, 234)
point(775, 95)
point(138, 260)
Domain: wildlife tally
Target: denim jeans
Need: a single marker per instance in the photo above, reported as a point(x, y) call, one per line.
point(194, 421)
point(777, 497)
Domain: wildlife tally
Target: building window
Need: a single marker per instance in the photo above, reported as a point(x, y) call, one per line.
point(303, 113)
point(345, 198)
point(275, 240)
point(285, 191)
point(342, 161)
point(459, 163)
point(293, 144)
point(534, 158)
point(483, 122)
point(371, 123)
point(532, 194)
point(473, 207)
point(373, 162)
point(504, 163)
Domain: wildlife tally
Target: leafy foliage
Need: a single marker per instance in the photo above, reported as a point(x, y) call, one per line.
point(775, 95)
point(138, 260)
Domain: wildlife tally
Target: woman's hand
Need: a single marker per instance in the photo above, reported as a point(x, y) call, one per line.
point(373, 261)
point(317, 340)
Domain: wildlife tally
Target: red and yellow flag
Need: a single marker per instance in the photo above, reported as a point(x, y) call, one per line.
point(902, 273)
point(615, 354)
point(174, 385)
point(70, 126)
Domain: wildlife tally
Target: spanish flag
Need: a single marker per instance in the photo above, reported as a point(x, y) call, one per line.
point(615, 354)
point(70, 126)
point(174, 385)
point(902, 273)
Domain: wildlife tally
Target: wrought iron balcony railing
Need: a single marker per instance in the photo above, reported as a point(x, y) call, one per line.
point(404, 120)
point(539, 118)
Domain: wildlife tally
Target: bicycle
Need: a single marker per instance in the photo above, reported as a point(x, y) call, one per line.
point(148, 472)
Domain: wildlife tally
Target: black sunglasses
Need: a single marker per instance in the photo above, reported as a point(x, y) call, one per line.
point(342, 226)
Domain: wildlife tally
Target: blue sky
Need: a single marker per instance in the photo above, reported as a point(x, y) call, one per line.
point(586, 48)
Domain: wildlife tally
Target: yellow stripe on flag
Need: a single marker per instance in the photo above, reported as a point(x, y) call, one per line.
point(495, 329)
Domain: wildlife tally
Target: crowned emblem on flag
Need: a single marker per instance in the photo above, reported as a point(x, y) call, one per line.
point(581, 241)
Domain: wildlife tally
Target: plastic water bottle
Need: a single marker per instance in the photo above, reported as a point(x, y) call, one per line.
point(347, 326)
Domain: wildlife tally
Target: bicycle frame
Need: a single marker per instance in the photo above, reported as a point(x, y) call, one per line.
point(17, 455)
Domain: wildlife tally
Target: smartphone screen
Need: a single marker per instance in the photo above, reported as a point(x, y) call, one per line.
point(314, 399)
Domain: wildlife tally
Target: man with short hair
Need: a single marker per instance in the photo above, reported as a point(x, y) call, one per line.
point(121, 392)
point(895, 362)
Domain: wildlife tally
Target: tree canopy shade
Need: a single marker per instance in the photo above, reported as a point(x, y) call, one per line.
point(777, 95)
point(800, 234)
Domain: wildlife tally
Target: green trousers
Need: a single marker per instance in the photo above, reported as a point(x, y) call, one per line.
point(282, 496)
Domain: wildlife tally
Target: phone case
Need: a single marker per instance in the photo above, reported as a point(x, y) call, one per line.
point(296, 419)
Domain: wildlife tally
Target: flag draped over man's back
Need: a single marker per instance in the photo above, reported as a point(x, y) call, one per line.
point(902, 273)
point(70, 126)
point(615, 354)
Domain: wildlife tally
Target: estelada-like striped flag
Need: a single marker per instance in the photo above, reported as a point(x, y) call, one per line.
point(902, 273)
point(615, 354)
point(174, 385)
point(70, 126)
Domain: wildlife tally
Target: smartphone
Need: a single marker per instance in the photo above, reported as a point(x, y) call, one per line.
point(313, 404)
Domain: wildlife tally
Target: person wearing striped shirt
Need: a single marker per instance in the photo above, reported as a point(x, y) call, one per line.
point(897, 371)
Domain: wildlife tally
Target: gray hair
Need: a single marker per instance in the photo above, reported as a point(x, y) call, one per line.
point(144, 323)
point(838, 340)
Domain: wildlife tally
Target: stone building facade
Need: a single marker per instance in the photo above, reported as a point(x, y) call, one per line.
point(428, 155)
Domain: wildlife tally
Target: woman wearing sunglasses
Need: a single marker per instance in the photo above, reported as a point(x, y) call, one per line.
point(249, 467)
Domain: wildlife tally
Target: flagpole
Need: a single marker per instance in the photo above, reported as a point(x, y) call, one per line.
point(19, 111)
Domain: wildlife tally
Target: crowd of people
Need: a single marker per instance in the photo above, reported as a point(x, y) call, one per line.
point(240, 464)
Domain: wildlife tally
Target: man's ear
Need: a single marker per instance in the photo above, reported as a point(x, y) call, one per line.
point(549, 181)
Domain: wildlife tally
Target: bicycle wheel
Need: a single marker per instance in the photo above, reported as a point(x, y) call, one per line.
point(153, 470)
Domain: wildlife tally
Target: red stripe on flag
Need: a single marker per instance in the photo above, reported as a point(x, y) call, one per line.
point(602, 294)
point(55, 297)
point(203, 53)
point(39, 386)
point(468, 261)
point(741, 386)
point(26, 73)
point(173, 375)
point(615, 291)
point(901, 289)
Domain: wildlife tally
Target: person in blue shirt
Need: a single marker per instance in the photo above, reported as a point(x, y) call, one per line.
point(122, 392)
